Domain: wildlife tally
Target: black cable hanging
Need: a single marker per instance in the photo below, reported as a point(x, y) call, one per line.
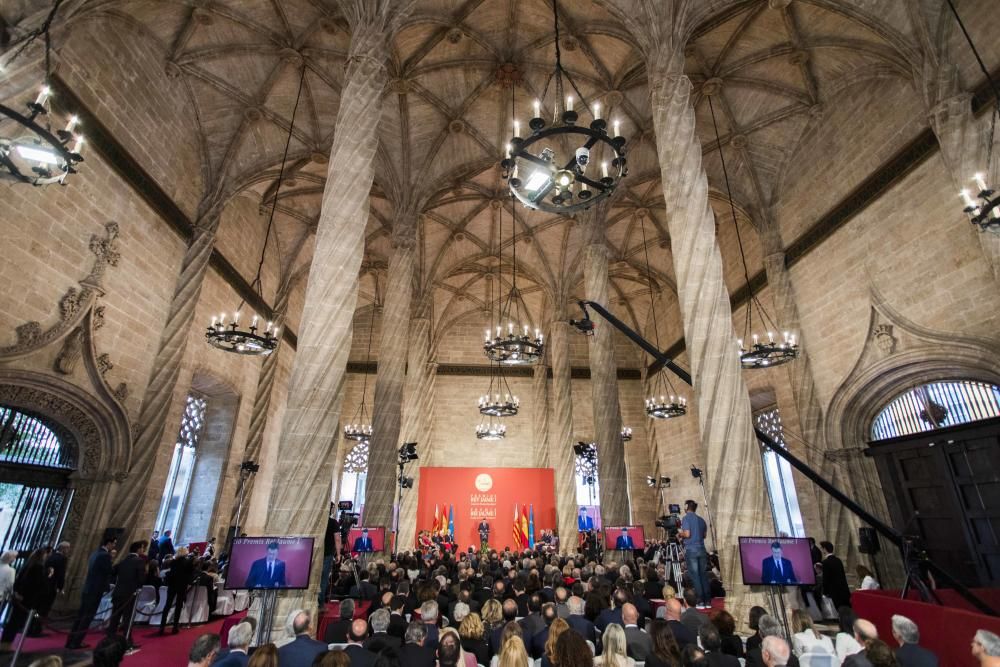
point(760, 353)
point(499, 401)
point(360, 428)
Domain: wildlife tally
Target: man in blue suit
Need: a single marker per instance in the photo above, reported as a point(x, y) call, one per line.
point(363, 544)
point(303, 649)
point(99, 573)
point(776, 570)
point(624, 541)
point(584, 522)
point(578, 621)
point(238, 641)
point(267, 572)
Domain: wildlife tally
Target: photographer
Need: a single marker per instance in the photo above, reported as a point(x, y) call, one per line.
point(693, 529)
point(331, 547)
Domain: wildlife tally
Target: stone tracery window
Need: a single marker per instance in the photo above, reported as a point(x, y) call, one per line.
point(936, 405)
point(355, 477)
point(182, 465)
point(588, 493)
point(778, 476)
point(357, 458)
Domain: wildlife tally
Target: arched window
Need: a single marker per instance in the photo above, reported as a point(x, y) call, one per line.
point(778, 475)
point(175, 491)
point(26, 440)
point(352, 483)
point(937, 405)
point(588, 485)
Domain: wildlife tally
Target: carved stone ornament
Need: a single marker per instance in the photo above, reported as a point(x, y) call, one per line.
point(70, 353)
point(28, 333)
point(121, 392)
point(104, 363)
point(884, 340)
point(98, 317)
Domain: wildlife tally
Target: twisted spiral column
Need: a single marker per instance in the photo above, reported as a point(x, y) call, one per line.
point(130, 513)
point(561, 456)
point(299, 498)
point(733, 465)
point(380, 488)
point(540, 414)
point(611, 469)
point(418, 415)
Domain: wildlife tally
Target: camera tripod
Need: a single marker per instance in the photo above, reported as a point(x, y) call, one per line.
point(671, 554)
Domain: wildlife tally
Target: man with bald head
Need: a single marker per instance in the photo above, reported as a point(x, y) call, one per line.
point(355, 650)
point(303, 649)
point(864, 632)
point(672, 613)
point(637, 642)
point(775, 651)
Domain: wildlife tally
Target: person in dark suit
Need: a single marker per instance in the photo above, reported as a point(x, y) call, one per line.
point(154, 546)
point(267, 572)
point(776, 570)
point(363, 543)
point(178, 579)
point(165, 548)
point(238, 643)
point(910, 653)
point(537, 646)
point(336, 632)
point(584, 522)
point(577, 621)
point(414, 653)
point(130, 574)
point(381, 638)
point(303, 649)
point(672, 613)
point(770, 629)
point(624, 541)
point(56, 564)
point(397, 618)
point(355, 650)
point(484, 532)
point(99, 572)
point(834, 578)
point(711, 642)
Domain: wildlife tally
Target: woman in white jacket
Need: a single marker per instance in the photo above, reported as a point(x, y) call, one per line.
point(7, 575)
point(806, 639)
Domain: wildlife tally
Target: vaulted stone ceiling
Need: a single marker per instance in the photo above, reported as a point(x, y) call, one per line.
point(772, 68)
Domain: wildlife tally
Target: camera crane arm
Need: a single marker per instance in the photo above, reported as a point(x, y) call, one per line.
point(586, 326)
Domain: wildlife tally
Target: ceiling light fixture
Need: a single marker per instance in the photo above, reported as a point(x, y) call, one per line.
point(249, 340)
point(984, 210)
point(360, 427)
point(545, 181)
point(760, 353)
point(626, 433)
point(31, 151)
point(666, 402)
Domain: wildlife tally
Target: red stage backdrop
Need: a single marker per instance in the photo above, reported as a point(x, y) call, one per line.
point(486, 493)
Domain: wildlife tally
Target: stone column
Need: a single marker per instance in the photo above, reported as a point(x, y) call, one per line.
point(733, 468)
point(418, 415)
point(300, 496)
point(561, 441)
point(387, 417)
point(604, 381)
point(964, 141)
point(136, 501)
point(540, 414)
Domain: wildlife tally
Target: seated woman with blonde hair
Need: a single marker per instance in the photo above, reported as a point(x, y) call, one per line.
point(615, 653)
point(512, 652)
point(806, 639)
point(558, 627)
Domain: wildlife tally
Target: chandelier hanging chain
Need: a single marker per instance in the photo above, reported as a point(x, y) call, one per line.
point(43, 30)
point(371, 334)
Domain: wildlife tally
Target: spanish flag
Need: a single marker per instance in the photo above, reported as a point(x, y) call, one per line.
point(517, 527)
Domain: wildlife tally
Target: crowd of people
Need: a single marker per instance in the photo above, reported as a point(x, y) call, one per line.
point(510, 609)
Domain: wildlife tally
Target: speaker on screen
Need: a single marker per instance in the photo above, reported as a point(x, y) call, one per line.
point(868, 541)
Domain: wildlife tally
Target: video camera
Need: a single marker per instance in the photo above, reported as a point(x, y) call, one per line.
point(670, 522)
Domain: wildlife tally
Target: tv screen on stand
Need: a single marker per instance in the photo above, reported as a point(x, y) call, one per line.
point(281, 563)
point(366, 539)
point(776, 561)
point(624, 538)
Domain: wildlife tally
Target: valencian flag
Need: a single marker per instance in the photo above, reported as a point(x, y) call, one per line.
point(531, 526)
point(517, 527)
point(524, 527)
point(451, 519)
point(434, 528)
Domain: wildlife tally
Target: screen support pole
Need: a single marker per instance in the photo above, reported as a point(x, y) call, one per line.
point(661, 360)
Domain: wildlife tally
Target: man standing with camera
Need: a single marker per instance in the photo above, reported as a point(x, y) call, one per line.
point(693, 529)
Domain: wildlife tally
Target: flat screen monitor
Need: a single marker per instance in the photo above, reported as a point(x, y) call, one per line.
point(624, 538)
point(366, 539)
point(281, 563)
point(776, 561)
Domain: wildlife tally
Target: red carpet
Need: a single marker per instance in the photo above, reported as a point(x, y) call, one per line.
point(168, 650)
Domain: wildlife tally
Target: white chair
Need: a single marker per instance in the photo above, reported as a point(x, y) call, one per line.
point(225, 604)
point(818, 658)
point(195, 605)
point(334, 647)
point(241, 600)
point(103, 611)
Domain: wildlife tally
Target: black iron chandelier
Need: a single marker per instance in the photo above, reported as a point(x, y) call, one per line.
point(546, 180)
point(31, 150)
point(498, 401)
point(513, 345)
point(491, 429)
point(984, 210)
point(360, 426)
point(251, 340)
point(665, 402)
point(755, 351)
point(626, 433)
